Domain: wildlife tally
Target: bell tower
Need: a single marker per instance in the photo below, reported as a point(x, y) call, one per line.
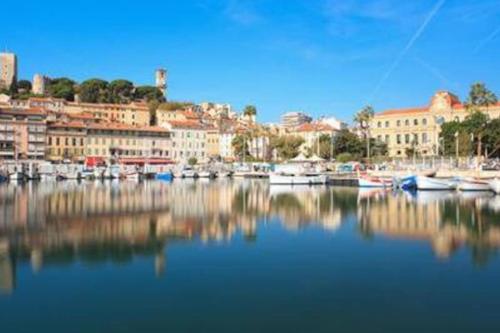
point(161, 80)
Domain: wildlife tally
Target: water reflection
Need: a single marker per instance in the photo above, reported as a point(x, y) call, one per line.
point(95, 222)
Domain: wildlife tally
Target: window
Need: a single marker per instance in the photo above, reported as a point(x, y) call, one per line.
point(415, 138)
point(407, 122)
point(387, 124)
point(424, 121)
point(424, 137)
point(398, 123)
point(66, 141)
point(398, 139)
point(74, 141)
point(379, 137)
point(407, 138)
point(50, 140)
point(415, 122)
point(379, 124)
point(386, 138)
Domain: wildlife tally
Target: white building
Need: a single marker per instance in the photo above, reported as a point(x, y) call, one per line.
point(294, 119)
point(188, 140)
point(226, 144)
point(334, 123)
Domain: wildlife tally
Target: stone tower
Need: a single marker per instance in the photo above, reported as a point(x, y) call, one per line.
point(39, 84)
point(161, 80)
point(8, 69)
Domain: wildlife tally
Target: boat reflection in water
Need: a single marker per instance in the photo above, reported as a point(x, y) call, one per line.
point(115, 222)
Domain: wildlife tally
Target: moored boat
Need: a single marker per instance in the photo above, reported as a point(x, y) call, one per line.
point(297, 179)
point(369, 181)
point(206, 174)
point(168, 176)
point(495, 185)
point(473, 184)
point(430, 183)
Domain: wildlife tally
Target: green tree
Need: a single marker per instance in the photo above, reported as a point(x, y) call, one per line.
point(24, 86)
point(475, 123)
point(250, 110)
point(173, 105)
point(120, 91)
point(325, 146)
point(479, 95)
point(240, 146)
point(61, 88)
point(363, 119)
point(492, 138)
point(347, 142)
point(287, 146)
point(94, 91)
point(149, 93)
point(152, 107)
point(192, 161)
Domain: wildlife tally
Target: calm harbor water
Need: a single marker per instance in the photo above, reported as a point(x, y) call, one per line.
point(243, 256)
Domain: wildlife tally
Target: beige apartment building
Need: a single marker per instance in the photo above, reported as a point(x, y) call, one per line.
point(189, 139)
point(66, 141)
point(106, 140)
point(212, 142)
point(22, 134)
point(419, 127)
point(135, 113)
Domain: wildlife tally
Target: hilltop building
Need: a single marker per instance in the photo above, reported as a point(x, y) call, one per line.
point(161, 80)
point(8, 69)
point(39, 86)
point(294, 119)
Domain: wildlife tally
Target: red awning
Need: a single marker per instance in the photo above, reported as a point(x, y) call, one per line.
point(142, 161)
point(92, 161)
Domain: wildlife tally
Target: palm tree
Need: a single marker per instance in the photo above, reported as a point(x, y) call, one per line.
point(479, 96)
point(363, 118)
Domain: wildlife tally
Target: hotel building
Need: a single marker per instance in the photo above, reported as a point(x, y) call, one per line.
point(294, 119)
point(66, 140)
point(420, 127)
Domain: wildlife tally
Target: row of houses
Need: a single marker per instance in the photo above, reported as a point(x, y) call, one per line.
point(54, 129)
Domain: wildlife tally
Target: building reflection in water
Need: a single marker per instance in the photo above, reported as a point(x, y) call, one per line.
point(95, 222)
point(448, 220)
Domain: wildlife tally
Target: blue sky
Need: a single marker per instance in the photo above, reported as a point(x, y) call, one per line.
point(325, 57)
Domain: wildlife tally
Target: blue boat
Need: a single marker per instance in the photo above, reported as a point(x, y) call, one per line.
point(168, 176)
point(408, 182)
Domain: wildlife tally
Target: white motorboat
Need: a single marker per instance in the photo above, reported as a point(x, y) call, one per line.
point(297, 179)
point(206, 174)
point(430, 183)
point(495, 185)
point(473, 184)
point(189, 172)
point(368, 181)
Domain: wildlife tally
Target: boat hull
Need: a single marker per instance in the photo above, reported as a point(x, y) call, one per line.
point(297, 180)
point(374, 182)
point(164, 176)
point(428, 183)
point(473, 185)
point(495, 185)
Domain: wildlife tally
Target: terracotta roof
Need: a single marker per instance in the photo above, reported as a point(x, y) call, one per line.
point(403, 111)
point(67, 124)
point(314, 127)
point(190, 124)
point(124, 127)
point(28, 112)
point(81, 115)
